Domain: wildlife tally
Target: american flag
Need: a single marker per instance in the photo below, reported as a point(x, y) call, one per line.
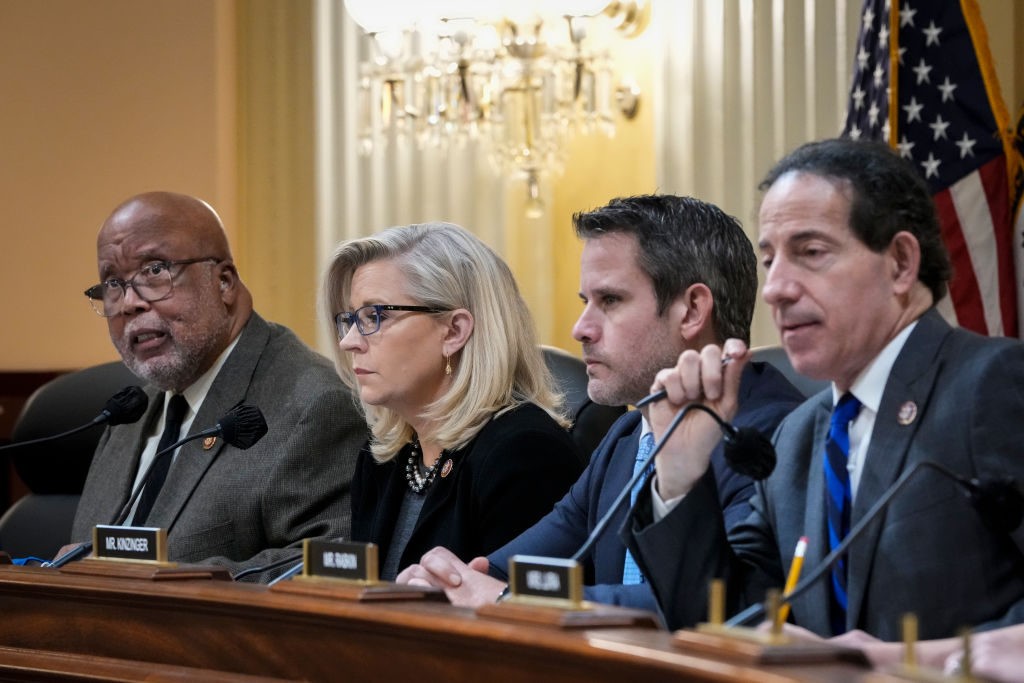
point(924, 82)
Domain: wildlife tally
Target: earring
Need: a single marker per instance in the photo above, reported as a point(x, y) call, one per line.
point(447, 364)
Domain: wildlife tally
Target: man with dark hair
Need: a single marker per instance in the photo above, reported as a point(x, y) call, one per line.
point(659, 274)
point(853, 269)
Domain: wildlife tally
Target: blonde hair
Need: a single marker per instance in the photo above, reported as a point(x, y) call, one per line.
point(500, 366)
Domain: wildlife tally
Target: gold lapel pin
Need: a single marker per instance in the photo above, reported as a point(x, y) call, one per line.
point(907, 413)
point(209, 442)
point(446, 469)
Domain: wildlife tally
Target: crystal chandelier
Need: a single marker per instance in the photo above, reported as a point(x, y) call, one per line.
point(519, 76)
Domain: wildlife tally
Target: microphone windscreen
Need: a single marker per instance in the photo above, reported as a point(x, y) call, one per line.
point(243, 426)
point(126, 406)
point(998, 502)
point(749, 452)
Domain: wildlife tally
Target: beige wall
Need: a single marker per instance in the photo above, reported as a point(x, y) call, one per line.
point(106, 98)
point(98, 101)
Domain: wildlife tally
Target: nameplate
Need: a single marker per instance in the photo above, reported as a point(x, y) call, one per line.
point(138, 544)
point(546, 578)
point(355, 562)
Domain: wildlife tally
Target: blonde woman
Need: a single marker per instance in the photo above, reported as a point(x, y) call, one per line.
point(468, 446)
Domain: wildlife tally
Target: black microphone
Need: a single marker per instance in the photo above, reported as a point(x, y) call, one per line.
point(273, 565)
point(292, 571)
point(998, 501)
point(124, 407)
point(241, 427)
point(747, 451)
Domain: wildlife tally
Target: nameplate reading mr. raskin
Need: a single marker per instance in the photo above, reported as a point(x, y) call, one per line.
point(130, 543)
point(337, 560)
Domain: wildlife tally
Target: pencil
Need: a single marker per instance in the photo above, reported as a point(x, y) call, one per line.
point(791, 580)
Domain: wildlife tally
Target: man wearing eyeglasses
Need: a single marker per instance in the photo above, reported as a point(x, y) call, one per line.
point(183, 321)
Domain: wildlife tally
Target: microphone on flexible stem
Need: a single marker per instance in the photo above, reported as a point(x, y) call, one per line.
point(124, 407)
point(285, 576)
point(998, 501)
point(746, 450)
point(273, 565)
point(241, 427)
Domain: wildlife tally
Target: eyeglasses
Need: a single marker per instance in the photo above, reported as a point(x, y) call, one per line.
point(368, 318)
point(153, 282)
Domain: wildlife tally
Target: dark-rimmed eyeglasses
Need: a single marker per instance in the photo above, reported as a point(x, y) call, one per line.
point(153, 282)
point(368, 318)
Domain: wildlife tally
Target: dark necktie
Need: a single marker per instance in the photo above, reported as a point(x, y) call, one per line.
point(176, 409)
point(839, 500)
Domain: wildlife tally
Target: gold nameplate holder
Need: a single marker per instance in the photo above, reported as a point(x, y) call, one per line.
point(756, 645)
point(137, 553)
point(349, 571)
point(549, 591)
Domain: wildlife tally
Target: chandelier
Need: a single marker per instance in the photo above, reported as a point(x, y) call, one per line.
point(520, 76)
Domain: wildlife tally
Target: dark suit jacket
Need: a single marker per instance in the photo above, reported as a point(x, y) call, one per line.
point(500, 483)
point(232, 507)
point(765, 398)
point(930, 552)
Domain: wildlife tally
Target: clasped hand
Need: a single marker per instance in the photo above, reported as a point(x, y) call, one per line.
point(711, 377)
point(467, 585)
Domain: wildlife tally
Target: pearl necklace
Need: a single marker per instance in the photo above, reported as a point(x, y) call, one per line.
point(419, 482)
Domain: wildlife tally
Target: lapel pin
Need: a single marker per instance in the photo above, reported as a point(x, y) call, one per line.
point(446, 469)
point(209, 442)
point(907, 414)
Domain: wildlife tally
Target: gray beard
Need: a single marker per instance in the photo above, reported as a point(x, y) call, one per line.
point(182, 367)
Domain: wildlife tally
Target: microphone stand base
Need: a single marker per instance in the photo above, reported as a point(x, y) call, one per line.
point(146, 571)
point(753, 646)
point(588, 615)
point(920, 674)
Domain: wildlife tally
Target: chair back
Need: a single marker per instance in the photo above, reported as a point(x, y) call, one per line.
point(39, 524)
point(776, 355)
point(59, 405)
point(590, 421)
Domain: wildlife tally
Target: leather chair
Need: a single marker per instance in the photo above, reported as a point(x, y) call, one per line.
point(776, 355)
point(590, 421)
point(40, 523)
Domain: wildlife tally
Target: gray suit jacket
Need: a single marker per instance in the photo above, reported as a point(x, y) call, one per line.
point(929, 553)
point(236, 508)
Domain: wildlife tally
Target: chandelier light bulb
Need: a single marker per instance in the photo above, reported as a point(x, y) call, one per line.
point(520, 77)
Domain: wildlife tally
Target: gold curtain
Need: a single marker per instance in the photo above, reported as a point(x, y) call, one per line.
point(276, 190)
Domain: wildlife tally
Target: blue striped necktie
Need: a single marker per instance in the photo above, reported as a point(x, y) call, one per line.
point(630, 571)
point(839, 500)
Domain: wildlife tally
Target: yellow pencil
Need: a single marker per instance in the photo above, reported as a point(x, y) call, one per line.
point(791, 580)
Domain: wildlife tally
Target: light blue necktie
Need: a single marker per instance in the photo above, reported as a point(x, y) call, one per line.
point(839, 500)
point(630, 571)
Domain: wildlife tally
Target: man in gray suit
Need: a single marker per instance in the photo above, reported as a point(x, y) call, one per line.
point(183, 321)
point(854, 266)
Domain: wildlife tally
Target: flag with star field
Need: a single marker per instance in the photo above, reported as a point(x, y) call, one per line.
point(924, 82)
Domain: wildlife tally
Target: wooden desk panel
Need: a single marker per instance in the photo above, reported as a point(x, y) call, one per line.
point(251, 630)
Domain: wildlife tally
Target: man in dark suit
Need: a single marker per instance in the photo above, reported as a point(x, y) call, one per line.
point(854, 269)
point(659, 274)
point(182, 320)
